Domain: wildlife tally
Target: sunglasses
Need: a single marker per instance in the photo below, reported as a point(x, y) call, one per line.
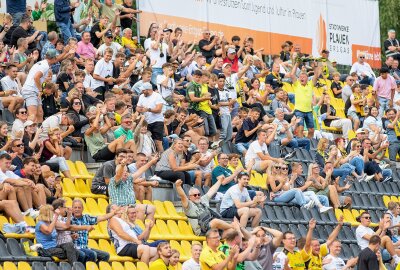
point(77, 103)
point(23, 112)
point(187, 140)
point(277, 167)
point(358, 146)
point(196, 195)
point(367, 217)
point(362, 57)
point(19, 145)
point(284, 168)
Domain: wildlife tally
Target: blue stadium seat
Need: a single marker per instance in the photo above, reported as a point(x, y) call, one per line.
point(295, 230)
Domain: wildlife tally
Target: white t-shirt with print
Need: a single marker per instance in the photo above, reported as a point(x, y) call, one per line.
point(335, 264)
point(231, 82)
point(234, 193)
point(104, 70)
point(253, 150)
point(224, 96)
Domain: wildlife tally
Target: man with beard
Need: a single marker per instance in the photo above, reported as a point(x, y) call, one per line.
point(164, 252)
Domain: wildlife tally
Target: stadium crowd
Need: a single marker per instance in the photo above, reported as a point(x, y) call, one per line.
point(204, 114)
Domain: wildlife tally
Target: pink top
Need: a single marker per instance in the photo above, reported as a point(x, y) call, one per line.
point(383, 87)
point(86, 50)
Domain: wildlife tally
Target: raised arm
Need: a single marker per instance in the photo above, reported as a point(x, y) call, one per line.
point(182, 195)
point(311, 227)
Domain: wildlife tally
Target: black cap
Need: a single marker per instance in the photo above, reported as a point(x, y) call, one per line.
point(108, 34)
point(167, 30)
point(383, 70)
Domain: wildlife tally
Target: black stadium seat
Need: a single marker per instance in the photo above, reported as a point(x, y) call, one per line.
point(64, 266)
point(4, 254)
point(38, 266)
point(295, 230)
point(270, 213)
point(302, 229)
point(395, 188)
point(78, 266)
point(355, 249)
point(289, 215)
point(298, 215)
point(51, 266)
point(280, 215)
point(346, 252)
point(15, 250)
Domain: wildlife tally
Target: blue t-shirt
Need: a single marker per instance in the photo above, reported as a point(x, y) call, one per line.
point(16, 6)
point(47, 240)
point(225, 172)
point(391, 134)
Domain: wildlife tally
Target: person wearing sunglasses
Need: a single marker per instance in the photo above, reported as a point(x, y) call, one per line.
point(364, 233)
point(363, 70)
point(21, 116)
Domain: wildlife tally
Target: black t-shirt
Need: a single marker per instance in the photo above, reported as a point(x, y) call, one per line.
point(214, 97)
point(338, 86)
point(247, 125)
point(93, 38)
point(20, 32)
point(323, 110)
point(367, 259)
point(61, 79)
point(7, 36)
point(273, 81)
point(389, 43)
point(205, 53)
point(49, 105)
point(126, 22)
point(285, 56)
point(175, 124)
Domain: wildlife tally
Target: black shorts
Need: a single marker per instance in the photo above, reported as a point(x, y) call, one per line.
point(130, 250)
point(157, 130)
point(104, 154)
point(230, 212)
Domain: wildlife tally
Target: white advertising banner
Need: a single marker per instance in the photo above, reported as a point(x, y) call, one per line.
point(343, 27)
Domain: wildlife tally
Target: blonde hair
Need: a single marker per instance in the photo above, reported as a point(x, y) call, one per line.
point(48, 174)
point(53, 130)
point(46, 213)
point(321, 143)
point(310, 168)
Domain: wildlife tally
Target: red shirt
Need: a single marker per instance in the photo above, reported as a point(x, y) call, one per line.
point(234, 62)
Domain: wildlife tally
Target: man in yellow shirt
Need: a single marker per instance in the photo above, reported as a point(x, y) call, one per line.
point(212, 258)
point(304, 99)
point(317, 251)
point(164, 252)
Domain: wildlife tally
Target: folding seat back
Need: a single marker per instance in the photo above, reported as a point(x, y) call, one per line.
point(104, 266)
point(129, 266)
point(117, 266)
point(37, 266)
point(295, 230)
point(64, 266)
point(24, 266)
point(289, 214)
point(373, 188)
point(91, 266)
point(52, 266)
point(357, 202)
point(78, 266)
point(14, 248)
point(280, 215)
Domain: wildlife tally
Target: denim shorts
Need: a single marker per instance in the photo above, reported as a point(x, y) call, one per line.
point(307, 118)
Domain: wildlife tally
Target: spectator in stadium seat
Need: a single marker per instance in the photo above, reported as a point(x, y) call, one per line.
point(108, 43)
point(46, 235)
point(347, 88)
point(103, 74)
point(391, 127)
point(267, 245)
point(125, 239)
point(236, 202)
point(371, 166)
point(81, 242)
point(196, 205)
point(371, 257)
point(335, 261)
point(248, 130)
point(373, 123)
point(22, 31)
point(223, 173)
point(363, 70)
point(385, 87)
point(257, 154)
point(172, 165)
point(121, 186)
point(164, 253)
point(130, 216)
point(206, 161)
point(279, 103)
point(12, 84)
point(208, 46)
point(332, 120)
point(158, 51)
point(285, 131)
point(194, 262)
point(364, 234)
point(211, 257)
point(289, 256)
point(143, 190)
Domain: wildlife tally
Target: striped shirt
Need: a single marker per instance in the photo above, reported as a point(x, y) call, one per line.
point(82, 240)
point(121, 193)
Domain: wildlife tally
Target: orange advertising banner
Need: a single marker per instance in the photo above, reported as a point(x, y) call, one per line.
point(372, 54)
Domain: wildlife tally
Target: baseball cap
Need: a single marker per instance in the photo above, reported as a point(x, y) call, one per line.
point(146, 86)
point(51, 53)
point(28, 123)
point(333, 61)
point(231, 50)
point(167, 30)
point(226, 64)
point(360, 130)
point(108, 34)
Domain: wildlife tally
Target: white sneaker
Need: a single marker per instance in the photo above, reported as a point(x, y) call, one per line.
point(309, 205)
point(324, 209)
point(35, 247)
point(34, 213)
point(368, 178)
point(26, 212)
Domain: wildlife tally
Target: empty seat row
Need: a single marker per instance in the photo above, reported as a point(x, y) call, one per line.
point(377, 188)
point(367, 201)
point(21, 265)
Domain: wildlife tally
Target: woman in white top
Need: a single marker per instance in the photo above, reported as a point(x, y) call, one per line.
point(332, 260)
point(125, 240)
point(374, 124)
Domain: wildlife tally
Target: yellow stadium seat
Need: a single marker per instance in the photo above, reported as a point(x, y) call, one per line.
point(93, 208)
point(103, 228)
point(140, 266)
point(187, 247)
point(253, 180)
point(93, 244)
point(68, 201)
point(69, 189)
point(386, 200)
point(24, 266)
point(166, 232)
point(104, 266)
point(4, 220)
point(394, 199)
point(352, 134)
point(348, 217)
point(119, 266)
point(186, 229)
point(9, 266)
point(107, 247)
point(73, 170)
point(82, 170)
point(102, 203)
point(161, 213)
point(91, 266)
point(147, 202)
point(129, 266)
point(84, 190)
point(171, 211)
point(97, 233)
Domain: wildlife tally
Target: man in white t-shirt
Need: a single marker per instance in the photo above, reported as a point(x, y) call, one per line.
point(224, 102)
point(335, 262)
point(236, 202)
point(150, 104)
point(103, 74)
point(158, 54)
point(194, 262)
point(166, 86)
point(364, 233)
point(11, 97)
point(258, 153)
point(363, 70)
point(108, 43)
point(33, 85)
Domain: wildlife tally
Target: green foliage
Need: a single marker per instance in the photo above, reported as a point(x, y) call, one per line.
point(389, 11)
